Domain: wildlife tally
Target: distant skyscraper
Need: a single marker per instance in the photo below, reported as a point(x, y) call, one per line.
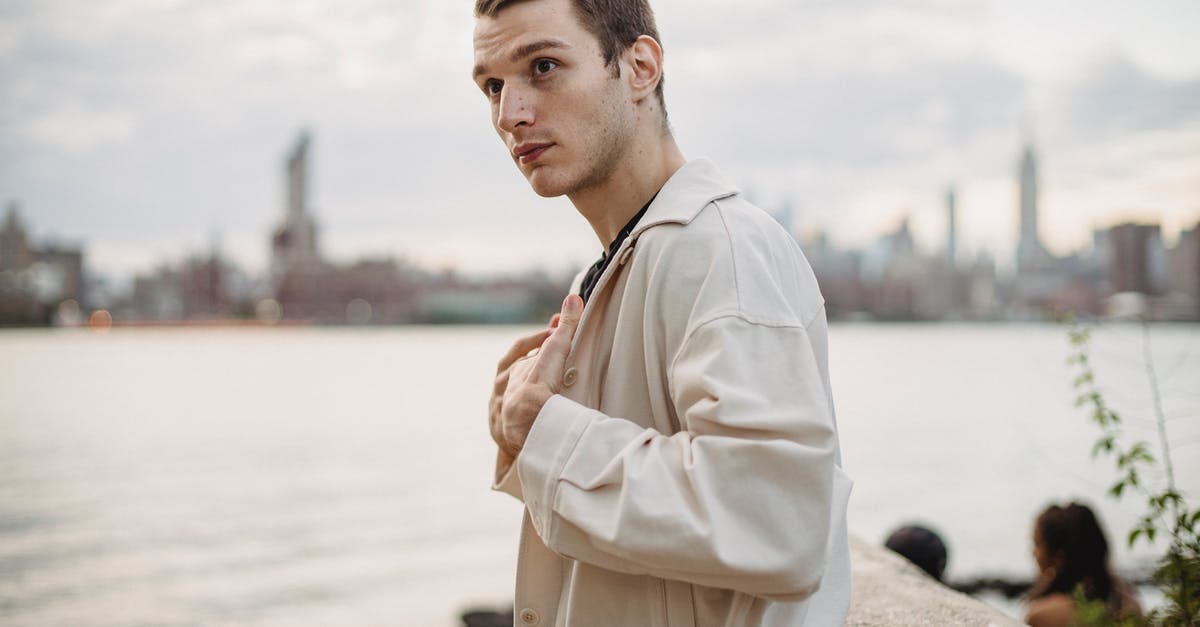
point(294, 245)
point(15, 251)
point(1137, 253)
point(35, 280)
point(297, 179)
point(1029, 246)
point(951, 227)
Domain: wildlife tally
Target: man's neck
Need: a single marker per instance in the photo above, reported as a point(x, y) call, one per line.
point(609, 205)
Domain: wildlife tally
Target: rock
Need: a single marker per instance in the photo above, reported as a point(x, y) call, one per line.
point(888, 590)
point(487, 618)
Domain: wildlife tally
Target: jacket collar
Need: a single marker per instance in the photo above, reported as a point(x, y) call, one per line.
point(682, 197)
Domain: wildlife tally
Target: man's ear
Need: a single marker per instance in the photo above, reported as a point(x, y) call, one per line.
point(645, 63)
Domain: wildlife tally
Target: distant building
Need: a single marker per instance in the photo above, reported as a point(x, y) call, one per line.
point(373, 291)
point(1043, 284)
point(157, 296)
point(1183, 276)
point(294, 245)
point(16, 253)
point(1137, 263)
point(951, 227)
point(306, 287)
point(982, 289)
point(198, 290)
point(299, 276)
point(1030, 252)
point(899, 272)
point(36, 281)
point(839, 273)
point(944, 293)
point(59, 274)
point(1102, 252)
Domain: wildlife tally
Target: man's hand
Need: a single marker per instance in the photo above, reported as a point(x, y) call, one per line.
point(533, 380)
point(517, 352)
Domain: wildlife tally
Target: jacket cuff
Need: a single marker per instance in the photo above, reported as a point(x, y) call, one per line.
point(551, 440)
point(506, 476)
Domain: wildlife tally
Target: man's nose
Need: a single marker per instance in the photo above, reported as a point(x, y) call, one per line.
point(516, 108)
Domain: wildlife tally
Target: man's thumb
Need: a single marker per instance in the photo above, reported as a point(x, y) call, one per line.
point(553, 355)
point(572, 309)
point(568, 321)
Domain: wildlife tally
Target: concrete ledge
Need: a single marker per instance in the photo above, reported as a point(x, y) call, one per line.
point(888, 590)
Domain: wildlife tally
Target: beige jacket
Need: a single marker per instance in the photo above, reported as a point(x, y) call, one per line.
point(689, 473)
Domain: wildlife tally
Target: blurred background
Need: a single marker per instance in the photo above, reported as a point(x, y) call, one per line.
point(259, 260)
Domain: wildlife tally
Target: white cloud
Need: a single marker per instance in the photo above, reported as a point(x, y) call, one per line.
point(77, 129)
point(853, 111)
point(1148, 176)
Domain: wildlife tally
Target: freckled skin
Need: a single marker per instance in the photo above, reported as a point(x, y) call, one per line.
point(575, 102)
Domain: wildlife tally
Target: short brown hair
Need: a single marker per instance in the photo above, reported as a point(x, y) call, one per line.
point(615, 23)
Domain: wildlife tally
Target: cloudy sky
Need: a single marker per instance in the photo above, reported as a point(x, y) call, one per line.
point(147, 129)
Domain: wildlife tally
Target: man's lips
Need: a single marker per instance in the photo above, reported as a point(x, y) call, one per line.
point(528, 153)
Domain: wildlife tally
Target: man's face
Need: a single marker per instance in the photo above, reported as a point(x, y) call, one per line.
point(564, 117)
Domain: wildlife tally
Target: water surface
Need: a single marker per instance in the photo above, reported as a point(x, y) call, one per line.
point(339, 476)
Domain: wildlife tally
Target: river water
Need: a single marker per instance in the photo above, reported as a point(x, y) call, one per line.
point(338, 476)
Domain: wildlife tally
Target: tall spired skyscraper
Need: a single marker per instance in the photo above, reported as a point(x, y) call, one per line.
point(294, 244)
point(1029, 246)
point(951, 227)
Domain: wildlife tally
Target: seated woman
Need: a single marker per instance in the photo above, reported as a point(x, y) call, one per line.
point(1071, 552)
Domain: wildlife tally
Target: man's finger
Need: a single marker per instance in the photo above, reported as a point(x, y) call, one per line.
point(572, 309)
point(501, 382)
point(554, 320)
point(521, 347)
point(553, 354)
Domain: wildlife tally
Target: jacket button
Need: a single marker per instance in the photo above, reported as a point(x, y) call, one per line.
point(529, 617)
point(570, 376)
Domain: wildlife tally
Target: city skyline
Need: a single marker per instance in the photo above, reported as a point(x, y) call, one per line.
point(298, 232)
point(855, 117)
point(1129, 270)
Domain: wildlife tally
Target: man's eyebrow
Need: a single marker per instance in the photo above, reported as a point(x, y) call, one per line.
point(526, 50)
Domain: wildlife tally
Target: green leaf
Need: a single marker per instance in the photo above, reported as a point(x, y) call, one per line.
point(1141, 452)
point(1103, 444)
point(1116, 489)
point(1133, 535)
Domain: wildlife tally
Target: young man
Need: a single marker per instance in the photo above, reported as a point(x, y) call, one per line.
point(673, 439)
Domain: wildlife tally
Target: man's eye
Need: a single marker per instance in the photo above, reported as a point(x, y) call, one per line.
point(543, 65)
point(492, 87)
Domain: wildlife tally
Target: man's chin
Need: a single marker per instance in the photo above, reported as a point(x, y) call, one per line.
point(544, 185)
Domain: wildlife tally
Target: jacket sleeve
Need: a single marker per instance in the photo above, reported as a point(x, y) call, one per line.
point(740, 498)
